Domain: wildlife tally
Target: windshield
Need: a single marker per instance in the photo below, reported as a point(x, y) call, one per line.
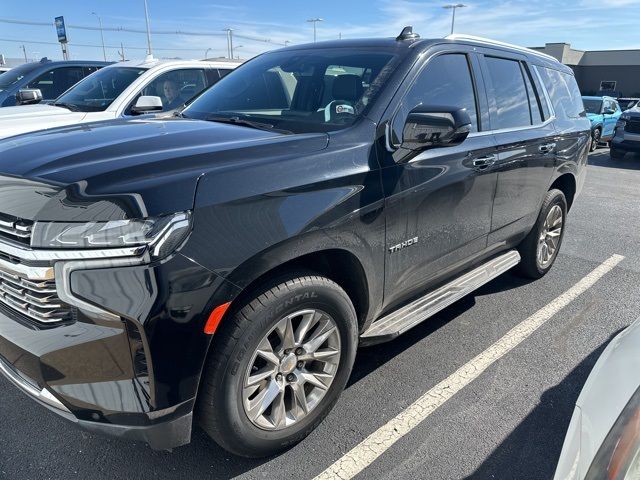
point(316, 90)
point(625, 104)
point(592, 105)
point(14, 75)
point(97, 91)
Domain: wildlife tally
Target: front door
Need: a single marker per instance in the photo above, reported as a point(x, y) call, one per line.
point(439, 201)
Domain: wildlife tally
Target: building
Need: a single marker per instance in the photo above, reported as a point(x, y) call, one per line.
point(600, 72)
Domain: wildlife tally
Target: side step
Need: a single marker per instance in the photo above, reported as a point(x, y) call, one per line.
point(407, 317)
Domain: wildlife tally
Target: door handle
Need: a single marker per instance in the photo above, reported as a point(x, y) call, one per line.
point(547, 147)
point(484, 162)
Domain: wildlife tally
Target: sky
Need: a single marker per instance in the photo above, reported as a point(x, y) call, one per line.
point(263, 25)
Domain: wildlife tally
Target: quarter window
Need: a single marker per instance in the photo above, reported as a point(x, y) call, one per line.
point(564, 92)
point(510, 94)
point(446, 81)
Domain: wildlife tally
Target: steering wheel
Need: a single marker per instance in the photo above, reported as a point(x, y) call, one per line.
point(339, 111)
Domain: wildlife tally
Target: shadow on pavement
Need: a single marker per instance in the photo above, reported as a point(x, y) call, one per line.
point(601, 158)
point(532, 450)
point(370, 359)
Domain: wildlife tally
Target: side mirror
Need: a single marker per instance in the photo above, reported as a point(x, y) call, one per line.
point(146, 104)
point(608, 111)
point(435, 126)
point(28, 96)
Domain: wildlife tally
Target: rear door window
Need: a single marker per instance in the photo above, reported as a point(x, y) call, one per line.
point(510, 94)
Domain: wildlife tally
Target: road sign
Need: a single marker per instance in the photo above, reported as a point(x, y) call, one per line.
point(61, 30)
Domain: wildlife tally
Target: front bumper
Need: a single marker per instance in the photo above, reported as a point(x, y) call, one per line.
point(628, 142)
point(128, 361)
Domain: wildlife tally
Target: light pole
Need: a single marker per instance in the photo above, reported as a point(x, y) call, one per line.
point(237, 48)
point(104, 52)
point(146, 15)
point(314, 21)
point(453, 16)
point(24, 50)
point(287, 42)
point(229, 42)
point(206, 52)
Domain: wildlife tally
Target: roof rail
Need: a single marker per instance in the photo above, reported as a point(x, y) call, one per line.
point(460, 36)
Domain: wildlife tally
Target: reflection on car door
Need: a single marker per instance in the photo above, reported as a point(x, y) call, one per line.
point(438, 197)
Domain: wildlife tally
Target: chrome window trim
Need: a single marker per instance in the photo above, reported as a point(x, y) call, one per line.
point(552, 111)
point(513, 129)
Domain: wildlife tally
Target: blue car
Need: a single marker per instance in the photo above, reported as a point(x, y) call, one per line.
point(603, 112)
point(51, 78)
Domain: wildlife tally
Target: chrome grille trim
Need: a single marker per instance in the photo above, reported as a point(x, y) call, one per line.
point(16, 228)
point(36, 300)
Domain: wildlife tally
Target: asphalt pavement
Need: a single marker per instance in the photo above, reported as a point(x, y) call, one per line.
point(508, 423)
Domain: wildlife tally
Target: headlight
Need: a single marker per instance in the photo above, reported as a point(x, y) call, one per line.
point(163, 234)
point(619, 455)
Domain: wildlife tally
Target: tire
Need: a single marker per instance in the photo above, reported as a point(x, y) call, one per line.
point(617, 154)
point(531, 247)
point(596, 135)
point(225, 400)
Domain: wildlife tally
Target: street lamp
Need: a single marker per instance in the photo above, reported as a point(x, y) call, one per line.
point(104, 52)
point(237, 48)
point(206, 52)
point(314, 21)
point(453, 16)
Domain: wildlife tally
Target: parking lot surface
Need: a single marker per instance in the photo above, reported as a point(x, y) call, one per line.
point(508, 422)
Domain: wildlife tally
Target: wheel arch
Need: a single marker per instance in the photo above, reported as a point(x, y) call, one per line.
point(338, 264)
point(566, 183)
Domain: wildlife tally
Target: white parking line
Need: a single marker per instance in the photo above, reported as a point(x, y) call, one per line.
point(365, 453)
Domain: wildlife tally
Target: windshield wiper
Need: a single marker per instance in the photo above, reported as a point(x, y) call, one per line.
point(246, 123)
point(69, 106)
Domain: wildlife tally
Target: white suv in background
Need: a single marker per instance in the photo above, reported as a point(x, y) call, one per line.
point(119, 90)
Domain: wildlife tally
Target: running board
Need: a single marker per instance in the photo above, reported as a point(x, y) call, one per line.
point(407, 317)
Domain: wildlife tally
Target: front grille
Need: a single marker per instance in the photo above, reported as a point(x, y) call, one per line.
point(632, 126)
point(15, 228)
point(36, 299)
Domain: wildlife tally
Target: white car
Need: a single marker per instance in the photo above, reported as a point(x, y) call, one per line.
point(119, 90)
point(603, 440)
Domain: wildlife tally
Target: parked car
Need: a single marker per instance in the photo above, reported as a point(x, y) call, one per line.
point(4, 69)
point(626, 138)
point(603, 439)
point(47, 77)
point(603, 112)
point(122, 90)
point(627, 103)
point(230, 259)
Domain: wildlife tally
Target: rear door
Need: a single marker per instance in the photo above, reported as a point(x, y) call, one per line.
point(522, 126)
point(438, 202)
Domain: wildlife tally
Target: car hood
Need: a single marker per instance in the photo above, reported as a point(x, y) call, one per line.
point(632, 112)
point(127, 168)
point(29, 118)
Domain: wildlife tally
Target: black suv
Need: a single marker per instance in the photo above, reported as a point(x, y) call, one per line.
point(225, 263)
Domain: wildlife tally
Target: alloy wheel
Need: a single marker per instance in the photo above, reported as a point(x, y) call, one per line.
point(291, 370)
point(549, 239)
